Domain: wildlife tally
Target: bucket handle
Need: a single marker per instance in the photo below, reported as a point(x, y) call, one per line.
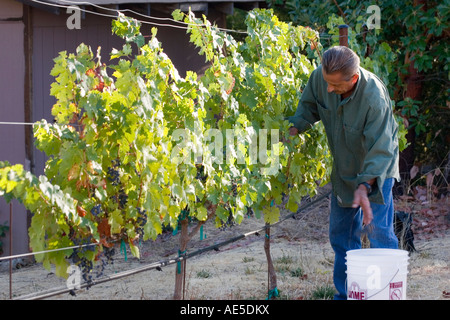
point(346, 285)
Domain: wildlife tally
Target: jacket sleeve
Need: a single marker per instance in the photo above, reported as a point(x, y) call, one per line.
point(381, 144)
point(306, 114)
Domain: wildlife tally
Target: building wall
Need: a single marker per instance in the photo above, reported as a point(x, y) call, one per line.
point(50, 37)
point(12, 137)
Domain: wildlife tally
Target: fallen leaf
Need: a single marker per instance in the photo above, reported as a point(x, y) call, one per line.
point(413, 172)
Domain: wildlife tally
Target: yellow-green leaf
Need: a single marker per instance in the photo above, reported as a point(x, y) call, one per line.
point(271, 214)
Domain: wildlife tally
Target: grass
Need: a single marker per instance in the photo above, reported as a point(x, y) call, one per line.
point(297, 273)
point(286, 265)
point(283, 264)
point(204, 274)
point(323, 292)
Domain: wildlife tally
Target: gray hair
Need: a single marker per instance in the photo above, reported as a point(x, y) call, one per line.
point(340, 59)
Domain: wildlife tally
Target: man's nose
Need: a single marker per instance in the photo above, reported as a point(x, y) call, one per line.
point(330, 89)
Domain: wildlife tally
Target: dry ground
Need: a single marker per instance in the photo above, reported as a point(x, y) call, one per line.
point(300, 248)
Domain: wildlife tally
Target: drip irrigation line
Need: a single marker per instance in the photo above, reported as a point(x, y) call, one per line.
point(160, 264)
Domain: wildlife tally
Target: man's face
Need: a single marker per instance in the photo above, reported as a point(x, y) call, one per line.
point(338, 84)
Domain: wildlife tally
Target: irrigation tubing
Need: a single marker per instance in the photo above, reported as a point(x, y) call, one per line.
point(158, 265)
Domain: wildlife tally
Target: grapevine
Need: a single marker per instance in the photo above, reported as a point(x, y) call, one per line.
point(136, 147)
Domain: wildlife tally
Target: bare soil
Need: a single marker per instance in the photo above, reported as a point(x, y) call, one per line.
point(299, 247)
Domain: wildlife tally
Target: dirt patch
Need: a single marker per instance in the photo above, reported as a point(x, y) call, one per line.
point(299, 246)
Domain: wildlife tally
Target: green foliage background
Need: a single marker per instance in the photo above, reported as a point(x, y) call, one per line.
point(411, 32)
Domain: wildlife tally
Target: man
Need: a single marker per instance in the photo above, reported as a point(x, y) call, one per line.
point(356, 111)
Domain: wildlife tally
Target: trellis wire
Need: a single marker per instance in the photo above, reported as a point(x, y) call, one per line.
point(117, 11)
point(18, 123)
point(22, 255)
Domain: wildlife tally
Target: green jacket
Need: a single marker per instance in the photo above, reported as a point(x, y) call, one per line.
point(361, 132)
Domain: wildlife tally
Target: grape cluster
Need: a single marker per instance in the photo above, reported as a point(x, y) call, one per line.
point(229, 223)
point(141, 220)
point(234, 189)
point(109, 254)
point(96, 210)
point(87, 268)
point(123, 199)
point(201, 173)
point(113, 176)
point(106, 258)
point(83, 244)
point(77, 257)
point(113, 172)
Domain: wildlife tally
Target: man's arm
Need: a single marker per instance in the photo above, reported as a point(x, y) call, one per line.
point(381, 145)
point(306, 114)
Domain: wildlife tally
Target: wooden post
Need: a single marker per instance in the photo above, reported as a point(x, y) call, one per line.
point(10, 248)
point(185, 237)
point(343, 35)
point(180, 271)
point(271, 274)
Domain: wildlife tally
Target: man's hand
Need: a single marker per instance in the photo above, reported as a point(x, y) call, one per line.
point(360, 199)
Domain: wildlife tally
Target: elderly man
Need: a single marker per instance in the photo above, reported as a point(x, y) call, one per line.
point(356, 111)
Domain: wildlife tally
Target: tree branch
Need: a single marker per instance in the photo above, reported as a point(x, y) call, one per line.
point(340, 11)
point(211, 212)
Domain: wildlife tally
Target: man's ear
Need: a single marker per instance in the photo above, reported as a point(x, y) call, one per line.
point(355, 78)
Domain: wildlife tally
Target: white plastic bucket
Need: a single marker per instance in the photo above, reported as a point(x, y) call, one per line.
point(377, 274)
